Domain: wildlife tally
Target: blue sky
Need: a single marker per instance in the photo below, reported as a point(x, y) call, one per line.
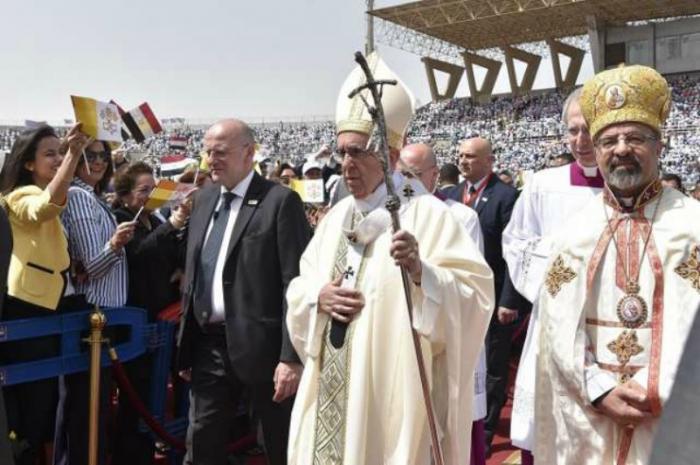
point(202, 60)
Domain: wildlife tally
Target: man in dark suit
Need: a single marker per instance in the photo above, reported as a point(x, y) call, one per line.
point(5, 254)
point(448, 180)
point(493, 201)
point(245, 238)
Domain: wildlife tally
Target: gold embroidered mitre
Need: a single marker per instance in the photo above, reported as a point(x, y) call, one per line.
point(398, 103)
point(635, 94)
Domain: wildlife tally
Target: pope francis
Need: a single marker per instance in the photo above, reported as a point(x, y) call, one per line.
point(621, 290)
point(359, 400)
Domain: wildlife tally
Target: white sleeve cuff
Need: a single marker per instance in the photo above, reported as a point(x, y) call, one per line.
point(598, 382)
point(642, 377)
point(317, 324)
point(427, 300)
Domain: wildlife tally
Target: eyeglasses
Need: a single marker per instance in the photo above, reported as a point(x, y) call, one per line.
point(92, 156)
point(355, 153)
point(631, 140)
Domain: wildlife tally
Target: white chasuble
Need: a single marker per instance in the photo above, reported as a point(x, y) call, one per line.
point(548, 199)
point(591, 341)
point(380, 417)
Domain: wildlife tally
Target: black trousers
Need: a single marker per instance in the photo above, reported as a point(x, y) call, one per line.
point(132, 446)
point(215, 394)
point(498, 343)
point(31, 407)
point(73, 418)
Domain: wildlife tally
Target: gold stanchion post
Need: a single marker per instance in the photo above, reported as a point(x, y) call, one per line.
point(97, 324)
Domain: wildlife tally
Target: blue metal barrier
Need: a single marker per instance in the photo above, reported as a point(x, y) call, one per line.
point(73, 356)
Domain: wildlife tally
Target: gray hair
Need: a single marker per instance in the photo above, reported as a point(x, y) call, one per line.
point(248, 134)
point(573, 97)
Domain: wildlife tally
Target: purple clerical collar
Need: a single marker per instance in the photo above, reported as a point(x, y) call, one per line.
point(579, 176)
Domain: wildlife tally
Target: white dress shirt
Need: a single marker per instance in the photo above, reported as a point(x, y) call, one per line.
point(218, 311)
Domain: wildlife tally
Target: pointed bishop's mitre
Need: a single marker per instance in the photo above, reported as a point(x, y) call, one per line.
point(398, 103)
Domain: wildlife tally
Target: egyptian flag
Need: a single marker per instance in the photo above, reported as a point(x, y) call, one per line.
point(174, 164)
point(177, 143)
point(125, 132)
point(141, 122)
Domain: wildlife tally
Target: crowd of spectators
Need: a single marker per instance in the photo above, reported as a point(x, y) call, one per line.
point(291, 142)
point(525, 131)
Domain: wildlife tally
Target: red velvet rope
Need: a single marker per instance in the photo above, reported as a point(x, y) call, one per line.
point(138, 405)
point(176, 443)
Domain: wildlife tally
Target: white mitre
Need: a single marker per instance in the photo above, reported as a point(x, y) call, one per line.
point(398, 103)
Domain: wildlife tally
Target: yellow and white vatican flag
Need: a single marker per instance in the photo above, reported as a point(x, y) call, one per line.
point(100, 120)
point(310, 190)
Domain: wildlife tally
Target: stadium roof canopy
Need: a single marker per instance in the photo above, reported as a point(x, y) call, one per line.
point(480, 24)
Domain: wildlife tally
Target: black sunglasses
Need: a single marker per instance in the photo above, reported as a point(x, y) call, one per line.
point(92, 156)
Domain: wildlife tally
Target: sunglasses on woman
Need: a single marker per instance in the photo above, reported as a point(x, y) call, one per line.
point(92, 156)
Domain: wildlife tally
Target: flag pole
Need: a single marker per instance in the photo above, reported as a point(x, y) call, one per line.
point(196, 175)
point(87, 164)
point(138, 214)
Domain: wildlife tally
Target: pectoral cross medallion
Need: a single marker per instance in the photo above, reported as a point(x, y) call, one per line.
point(632, 310)
point(408, 191)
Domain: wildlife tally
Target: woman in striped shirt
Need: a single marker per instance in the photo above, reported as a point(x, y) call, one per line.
point(96, 246)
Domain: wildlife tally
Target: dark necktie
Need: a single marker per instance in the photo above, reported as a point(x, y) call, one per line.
point(472, 196)
point(207, 260)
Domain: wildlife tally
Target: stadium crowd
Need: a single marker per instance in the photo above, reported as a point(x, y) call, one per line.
point(526, 131)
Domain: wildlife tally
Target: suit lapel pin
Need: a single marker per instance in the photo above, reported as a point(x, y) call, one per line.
point(252, 202)
point(484, 199)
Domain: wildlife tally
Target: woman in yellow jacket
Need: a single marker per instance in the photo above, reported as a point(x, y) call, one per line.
point(34, 185)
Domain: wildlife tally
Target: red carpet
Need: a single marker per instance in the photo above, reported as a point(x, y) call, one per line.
point(501, 448)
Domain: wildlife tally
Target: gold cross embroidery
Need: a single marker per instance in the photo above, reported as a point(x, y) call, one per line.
point(557, 275)
point(625, 346)
point(690, 269)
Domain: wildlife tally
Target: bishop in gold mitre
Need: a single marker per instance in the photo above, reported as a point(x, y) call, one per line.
point(359, 400)
point(621, 290)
